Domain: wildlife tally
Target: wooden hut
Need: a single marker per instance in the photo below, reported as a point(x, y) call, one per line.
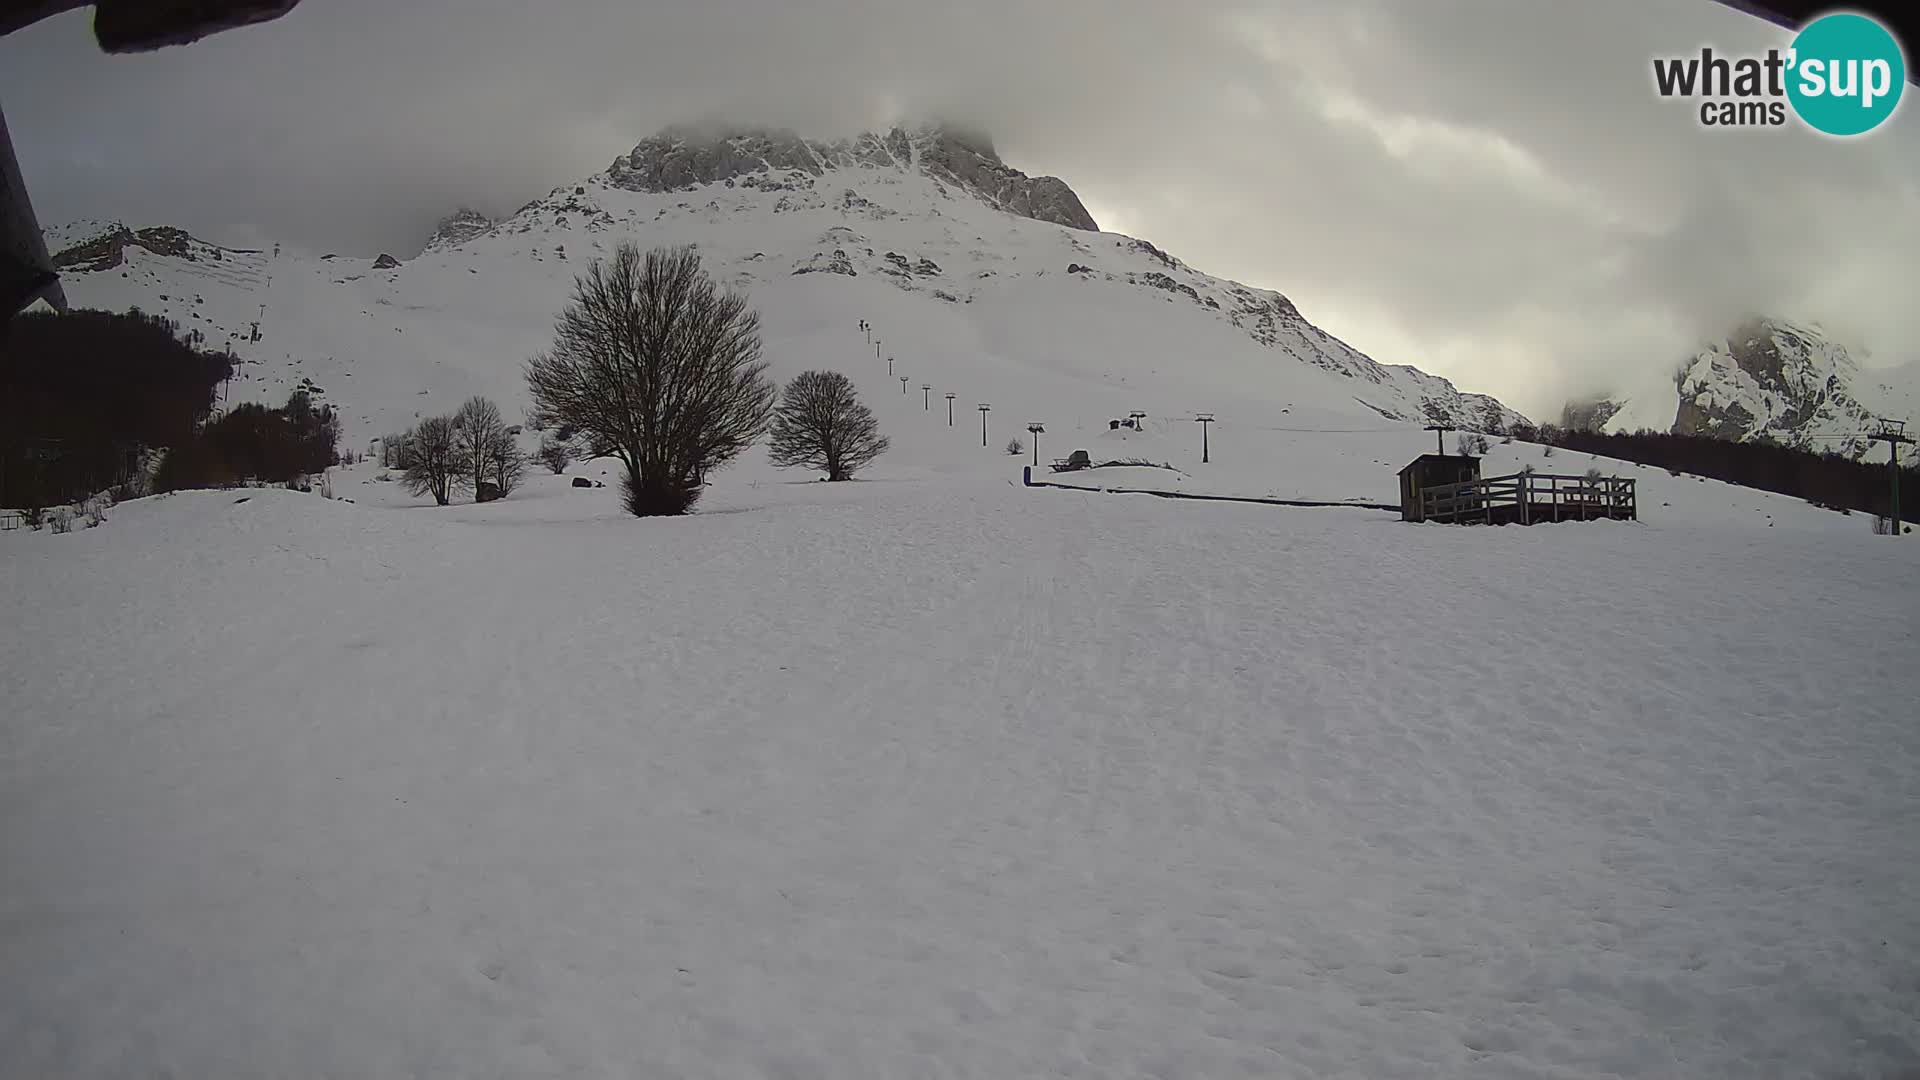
point(1449, 488)
point(1430, 470)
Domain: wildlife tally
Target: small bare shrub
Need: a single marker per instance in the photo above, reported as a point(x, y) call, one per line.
point(554, 454)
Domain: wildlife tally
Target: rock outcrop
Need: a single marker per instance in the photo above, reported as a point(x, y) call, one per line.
point(107, 248)
point(1770, 379)
point(459, 227)
point(680, 158)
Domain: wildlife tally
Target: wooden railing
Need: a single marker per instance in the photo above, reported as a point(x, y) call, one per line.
point(1531, 498)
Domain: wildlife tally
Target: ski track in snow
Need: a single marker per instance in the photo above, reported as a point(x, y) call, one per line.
point(889, 780)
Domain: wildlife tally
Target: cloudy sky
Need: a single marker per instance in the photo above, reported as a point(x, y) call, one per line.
point(1488, 189)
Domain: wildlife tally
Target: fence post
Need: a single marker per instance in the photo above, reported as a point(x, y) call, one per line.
point(1526, 499)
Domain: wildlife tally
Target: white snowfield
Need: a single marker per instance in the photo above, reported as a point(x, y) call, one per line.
point(935, 775)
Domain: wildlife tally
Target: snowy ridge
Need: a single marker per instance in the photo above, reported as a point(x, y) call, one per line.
point(683, 158)
point(1774, 379)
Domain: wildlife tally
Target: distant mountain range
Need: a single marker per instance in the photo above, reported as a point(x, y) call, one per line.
point(1769, 379)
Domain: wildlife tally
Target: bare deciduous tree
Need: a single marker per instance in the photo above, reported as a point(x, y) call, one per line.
point(554, 454)
point(429, 455)
point(822, 424)
point(477, 429)
point(655, 366)
point(506, 463)
point(393, 450)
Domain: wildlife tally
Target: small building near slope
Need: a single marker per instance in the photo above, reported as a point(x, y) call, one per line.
point(1432, 470)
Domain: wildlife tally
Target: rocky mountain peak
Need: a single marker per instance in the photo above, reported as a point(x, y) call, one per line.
point(1770, 378)
point(681, 157)
point(459, 227)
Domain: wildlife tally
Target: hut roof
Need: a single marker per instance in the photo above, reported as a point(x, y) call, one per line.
point(1424, 459)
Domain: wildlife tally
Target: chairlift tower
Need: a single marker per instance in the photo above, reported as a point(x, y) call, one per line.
point(1036, 429)
point(1893, 433)
point(1204, 420)
point(984, 409)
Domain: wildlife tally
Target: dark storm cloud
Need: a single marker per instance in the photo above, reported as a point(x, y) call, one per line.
point(1486, 188)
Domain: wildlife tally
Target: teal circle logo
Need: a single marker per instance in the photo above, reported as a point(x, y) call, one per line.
point(1846, 74)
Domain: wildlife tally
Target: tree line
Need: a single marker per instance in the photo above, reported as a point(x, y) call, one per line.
point(85, 395)
point(253, 442)
point(1825, 479)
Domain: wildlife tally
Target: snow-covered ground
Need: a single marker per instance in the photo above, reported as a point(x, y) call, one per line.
point(933, 774)
point(936, 775)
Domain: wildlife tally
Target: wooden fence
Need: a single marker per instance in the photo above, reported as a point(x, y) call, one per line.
point(1529, 499)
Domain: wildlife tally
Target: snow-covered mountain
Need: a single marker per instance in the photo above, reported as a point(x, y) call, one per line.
point(997, 280)
point(1771, 378)
point(685, 158)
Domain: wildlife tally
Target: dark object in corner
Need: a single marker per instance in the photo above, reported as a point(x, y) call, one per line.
point(124, 26)
point(119, 26)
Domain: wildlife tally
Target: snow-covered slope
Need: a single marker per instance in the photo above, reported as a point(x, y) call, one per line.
point(926, 235)
point(933, 774)
point(1775, 379)
point(960, 780)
